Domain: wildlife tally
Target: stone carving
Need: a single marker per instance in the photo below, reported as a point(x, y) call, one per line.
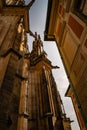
point(15, 2)
point(37, 47)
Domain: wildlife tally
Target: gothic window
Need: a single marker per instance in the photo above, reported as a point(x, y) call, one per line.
point(80, 6)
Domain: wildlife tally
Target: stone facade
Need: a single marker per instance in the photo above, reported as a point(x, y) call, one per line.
point(28, 93)
point(44, 101)
point(13, 50)
point(67, 25)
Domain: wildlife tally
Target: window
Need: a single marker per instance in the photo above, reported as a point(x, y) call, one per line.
point(80, 6)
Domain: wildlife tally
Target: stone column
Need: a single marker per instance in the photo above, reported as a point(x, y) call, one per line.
point(23, 112)
point(23, 108)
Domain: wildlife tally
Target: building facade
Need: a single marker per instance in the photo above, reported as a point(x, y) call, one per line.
point(66, 24)
point(29, 99)
point(44, 109)
point(14, 24)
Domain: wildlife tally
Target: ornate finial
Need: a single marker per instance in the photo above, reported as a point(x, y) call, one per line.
point(37, 48)
point(40, 41)
point(39, 37)
point(36, 35)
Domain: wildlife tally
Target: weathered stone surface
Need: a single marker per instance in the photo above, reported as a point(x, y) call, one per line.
point(28, 93)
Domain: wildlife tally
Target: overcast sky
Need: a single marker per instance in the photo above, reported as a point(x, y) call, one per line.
point(37, 24)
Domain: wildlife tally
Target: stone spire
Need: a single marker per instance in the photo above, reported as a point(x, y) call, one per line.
point(38, 52)
point(37, 47)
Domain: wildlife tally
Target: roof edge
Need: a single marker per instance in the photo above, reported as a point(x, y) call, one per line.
point(47, 19)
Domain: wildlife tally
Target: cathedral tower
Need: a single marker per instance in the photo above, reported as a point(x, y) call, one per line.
point(14, 23)
point(29, 99)
point(44, 107)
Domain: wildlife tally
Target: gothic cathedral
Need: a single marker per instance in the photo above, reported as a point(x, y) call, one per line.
point(29, 99)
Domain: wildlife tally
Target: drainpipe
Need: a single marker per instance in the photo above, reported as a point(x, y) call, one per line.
point(72, 86)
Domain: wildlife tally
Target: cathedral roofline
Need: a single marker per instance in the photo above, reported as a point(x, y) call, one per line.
point(44, 60)
point(39, 59)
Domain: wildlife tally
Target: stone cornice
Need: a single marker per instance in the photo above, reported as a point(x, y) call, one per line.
point(18, 11)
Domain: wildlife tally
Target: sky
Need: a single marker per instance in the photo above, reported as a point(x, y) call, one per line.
point(37, 21)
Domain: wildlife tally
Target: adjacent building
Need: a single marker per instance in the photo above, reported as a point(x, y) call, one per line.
point(66, 24)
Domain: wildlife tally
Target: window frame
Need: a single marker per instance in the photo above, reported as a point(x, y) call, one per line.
point(78, 7)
